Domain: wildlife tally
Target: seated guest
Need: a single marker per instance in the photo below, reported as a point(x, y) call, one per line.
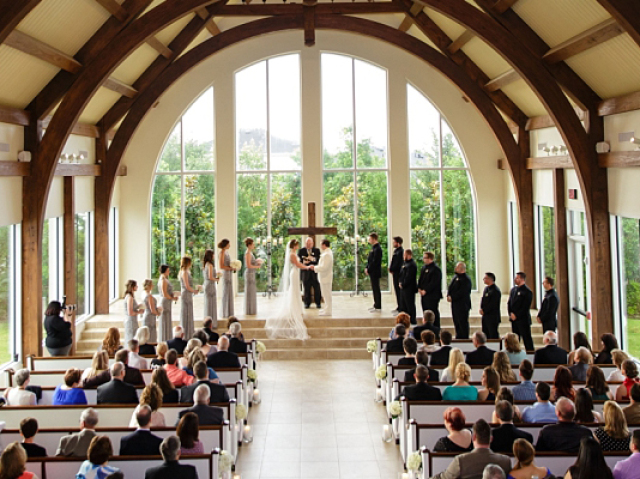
point(393, 345)
point(584, 408)
point(551, 353)
point(176, 375)
point(188, 431)
point(117, 391)
point(579, 340)
point(13, 463)
point(619, 356)
point(141, 442)
point(492, 471)
point(69, 393)
point(455, 357)
point(563, 384)
point(582, 360)
point(566, 435)
point(57, 324)
point(28, 430)
point(542, 410)
point(515, 352)
point(131, 375)
point(77, 444)
point(596, 384)
point(630, 373)
point(97, 463)
point(422, 357)
point(223, 358)
point(526, 390)
point(233, 319)
point(421, 391)
point(428, 338)
point(111, 341)
point(459, 438)
point(505, 394)
point(609, 343)
point(428, 324)
point(614, 436)
point(142, 336)
point(196, 356)
point(441, 356)
point(169, 392)
point(208, 328)
point(206, 348)
point(482, 356)
point(410, 346)
point(472, 464)
point(171, 468)
point(192, 345)
point(151, 397)
point(590, 462)
point(236, 339)
point(135, 360)
point(632, 411)
point(405, 320)
point(98, 373)
point(491, 385)
point(161, 351)
point(218, 392)
point(207, 415)
point(461, 390)
point(178, 342)
point(524, 453)
point(19, 396)
point(628, 468)
point(502, 365)
point(505, 434)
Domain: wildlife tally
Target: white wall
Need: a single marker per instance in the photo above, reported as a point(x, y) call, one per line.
point(11, 188)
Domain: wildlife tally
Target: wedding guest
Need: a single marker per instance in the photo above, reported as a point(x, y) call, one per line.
point(505, 394)
point(111, 341)
point(169, 392)
point(177, 342)
point(519, 309)
point(482, 356)
point(207, 415)
point(430, 287)
point(208, 326)
point(28, 430)
point(374, 271)
point(205, 347)
point(585, 413)
point(628, 468)
point(395, 345)
point(630, 373)
point(19, 395)
point(526, 390)
point(491, 385)
point(422, 357)
point(189, 431)
point(161, 351)
point(441, 356)
point(609, 343)
point(97, 463)
point(459, 295)
point(69, 393)
point(632, 411)
point(142, 336)
point(547, 314)
point(224, 263)
point(582, 360)
point(223, 358)
point(490, 307)
point(506, 434)
point(410, 347)
point(192, 344)
point(131, 310)
point(218, 392)
point(551, 353)
point(167, 297)
point(76, 444)
point(230, 321)
point(171, 468)
point(421, 390)
point(579, 339)
point(614, 436)
point(151, 313)
point(135, 360)
point(502, 365)
point(99, 364)
point(455, 357)
point(251, 264)
point(397, 259)
point(566, 435)
point(525, 468)
point(151, 397)
point(596, 384)
point(176, 375)
point(461, 390)
point(236, 339)
point(514, 351)
point(459, 438)
point(141, 442)
point(131, 375)
point(428, 323)
point(187, 290)
point(57, 324)
point(405, 320)
point(429, 341)
point(117, 391)
point(542, 411)
point(562, 384)
point(195, 357)
point(618, 356)
point(210, 276)
point(13, 463)
point(590, 463)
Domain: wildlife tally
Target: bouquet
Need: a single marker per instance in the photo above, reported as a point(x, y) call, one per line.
point(372, 346)
point(414, 461)
point(241, 412)
point(260, 347)
point(381, 372)
point(260, 261)
point(236, 264)
point(200, 288)
point(252, 375)
point(395, 409)
point(219, 274)
point(225, 461)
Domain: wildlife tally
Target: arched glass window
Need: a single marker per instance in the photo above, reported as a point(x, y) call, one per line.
point(442, 198)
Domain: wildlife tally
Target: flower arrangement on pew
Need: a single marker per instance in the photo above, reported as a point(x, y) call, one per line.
point(260, 347)
point(236, 264)
point(414, 462)
point(381, 372)
point(372, 346)
point(252, 375)
point(394, 408)
point(241, 412)
point(225, 461)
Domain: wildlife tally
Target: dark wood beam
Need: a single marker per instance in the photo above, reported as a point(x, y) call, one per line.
point(70, 264)
point(102, 207)
point(17, 168)
point(14, 116)
point(341, 8)
point(408, 19)
point(501, 81)
point(120, 87)
point(627, 14)
point(525, 216)
point(621, 104)
point(115, 9)
point(501, 6)
point(309, 25)
point(545, 121)
point(562, 259)
point(13, 11)
point(584, 41)
point(160, 47)
point(210, 25)
point(31, 46)
point(461, 41)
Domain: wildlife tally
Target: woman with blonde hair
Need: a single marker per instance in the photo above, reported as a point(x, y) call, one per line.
point(210, 289)
point(159, 360)
point(195, 357)
point(151, 396)
point(525, 468)
point(187, 290)
point(99, 363)
point(618, 357)
point(224, 263)
point(192, 344)
point(502, 365)
point(582, 359)
point(111, 341)
point(491, 383)
point(461, 390)
point(169, 392)
point(142, 336)
point(132, 310)
point(515, 353)
point(455, 357)
point(251, 265)
point(614, 436)
point(151, 313)
point(13, 463)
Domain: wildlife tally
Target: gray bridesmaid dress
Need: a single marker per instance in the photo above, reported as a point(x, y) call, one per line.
point(227, 288)
point(166, 330)
point(149, 319)
point(186, 311)
point(250, 290)
point(210, 295)
point(131, 323)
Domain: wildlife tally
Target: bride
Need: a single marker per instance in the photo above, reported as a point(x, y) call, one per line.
point(286, 322)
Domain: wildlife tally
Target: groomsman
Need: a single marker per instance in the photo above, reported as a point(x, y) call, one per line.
point(490, 307)
point(374, 271)
point(325, 276)
point(430, 286)
point(397, 259)
point(547, 315)
point(519, 308)
point(459, 295)
point(408, 285)
point(310, 256)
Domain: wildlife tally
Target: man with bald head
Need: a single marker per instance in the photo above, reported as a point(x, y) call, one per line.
point(310, 256)
point(566, 435)
point(223, 358)
point(459, 295)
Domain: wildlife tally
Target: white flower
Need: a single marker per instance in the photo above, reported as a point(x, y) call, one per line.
point(395, 409)
point(252, 375)
point(241, 412)
point(260, 347)
point(381, 372)
point(225, 461)
point(414, 461)
point(372, 346)
point(236, 264)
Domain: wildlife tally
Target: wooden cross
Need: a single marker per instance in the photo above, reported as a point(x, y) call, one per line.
point(312, 230)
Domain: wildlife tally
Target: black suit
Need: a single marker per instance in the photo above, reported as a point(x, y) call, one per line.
point(223, 359)
point(418, 330)
point(140, 443)
point(207, 415)
point(440, 357)
point(490, 306)
point(431, 282)
point(238, 346)
point(133, 376)
point(33, 450)
point(460, 293)
point(562, 437)
point(520, 304)
point(550, 354)
point(409, 286)
point(505, 435)
point(178, 344)
point(434, 376)
point(548, 311)
point(213, 336)
point(171, 470)
point(310, 278)
point(218, 392)
point(482, 356)
point(395, 345)
point(117, 392)
point(394, 268)
point(374, 270)
point(421, 392)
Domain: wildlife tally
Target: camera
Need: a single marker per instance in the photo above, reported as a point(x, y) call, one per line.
point(68, 307)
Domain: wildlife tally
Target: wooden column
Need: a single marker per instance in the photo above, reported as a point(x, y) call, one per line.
point(562, 260)
point(525, 213)
point(102, 192)
point(70, 252)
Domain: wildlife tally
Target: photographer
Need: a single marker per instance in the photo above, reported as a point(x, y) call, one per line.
point(58, 328)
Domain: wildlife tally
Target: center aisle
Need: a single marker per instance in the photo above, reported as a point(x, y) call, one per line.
point(317, 419)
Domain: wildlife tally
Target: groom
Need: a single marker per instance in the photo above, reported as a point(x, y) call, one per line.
point(325, 276)
point(310, 256)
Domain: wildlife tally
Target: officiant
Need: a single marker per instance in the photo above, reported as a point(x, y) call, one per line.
point(310, 256)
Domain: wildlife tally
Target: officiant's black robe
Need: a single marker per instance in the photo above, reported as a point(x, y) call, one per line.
point(310, 278)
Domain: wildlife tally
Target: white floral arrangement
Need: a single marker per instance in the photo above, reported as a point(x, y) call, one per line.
point(414, 461)
point(260, 347)
point(252, 374)
point(241, 412)
point(225, 461)
point(372, 346)
point(236, 264)
point(395, 409)
point(381, 372)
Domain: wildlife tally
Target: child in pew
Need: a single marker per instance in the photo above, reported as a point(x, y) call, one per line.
point(13, 463)
point(97, 464)
point(28, 430)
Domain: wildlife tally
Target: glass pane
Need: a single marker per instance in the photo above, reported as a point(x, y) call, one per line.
point(284, 112)
point(6, 280)
point(170, 160)
point(630, 283)
point(371, 115)
point(251, 117)
point(451, 151)
point(372, 218)
point(548, 242)
point(339, 212)
point(337, 111)
point(252, 214)
point(82, 237)
point(165, 225)
point(425, 213)
point(424, 130)
point(199, 218)
point(459, 222)
point(197, 124)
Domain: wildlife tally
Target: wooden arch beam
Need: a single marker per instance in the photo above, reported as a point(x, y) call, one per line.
point(627, 14)
point(13, 11)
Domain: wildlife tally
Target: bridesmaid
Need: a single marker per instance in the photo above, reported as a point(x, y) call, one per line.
point(151, 312)
point(224, 263)
point(188, 290)
point(210, 293)
point(167, 298)
point(250, 291)
point(131, 310)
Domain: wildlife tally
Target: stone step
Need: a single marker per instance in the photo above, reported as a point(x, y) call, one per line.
point(329, 354)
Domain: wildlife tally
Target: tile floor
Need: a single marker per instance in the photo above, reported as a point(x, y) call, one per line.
point(317, 419)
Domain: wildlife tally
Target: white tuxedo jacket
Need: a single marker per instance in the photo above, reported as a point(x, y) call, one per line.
point(325, 267)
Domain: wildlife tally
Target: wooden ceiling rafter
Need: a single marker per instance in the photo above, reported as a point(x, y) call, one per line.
point(407, 22)
point(17, 116)
point(582, 42)
point(12, 14)
point(501, 6)
point(210, 24)
point(627, 14)
point(464, 38)
point(344, 8)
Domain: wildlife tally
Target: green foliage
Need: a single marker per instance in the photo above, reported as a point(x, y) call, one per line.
point(5, 291)
point(548, 239)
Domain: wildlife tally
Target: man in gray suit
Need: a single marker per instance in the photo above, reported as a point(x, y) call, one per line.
point(471, 465)
point(78, 443)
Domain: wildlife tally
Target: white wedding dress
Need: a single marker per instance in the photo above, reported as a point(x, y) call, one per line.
point(286, 322)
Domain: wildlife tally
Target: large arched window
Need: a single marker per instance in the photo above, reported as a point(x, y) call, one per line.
point(442, 199)
point(182, 203)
